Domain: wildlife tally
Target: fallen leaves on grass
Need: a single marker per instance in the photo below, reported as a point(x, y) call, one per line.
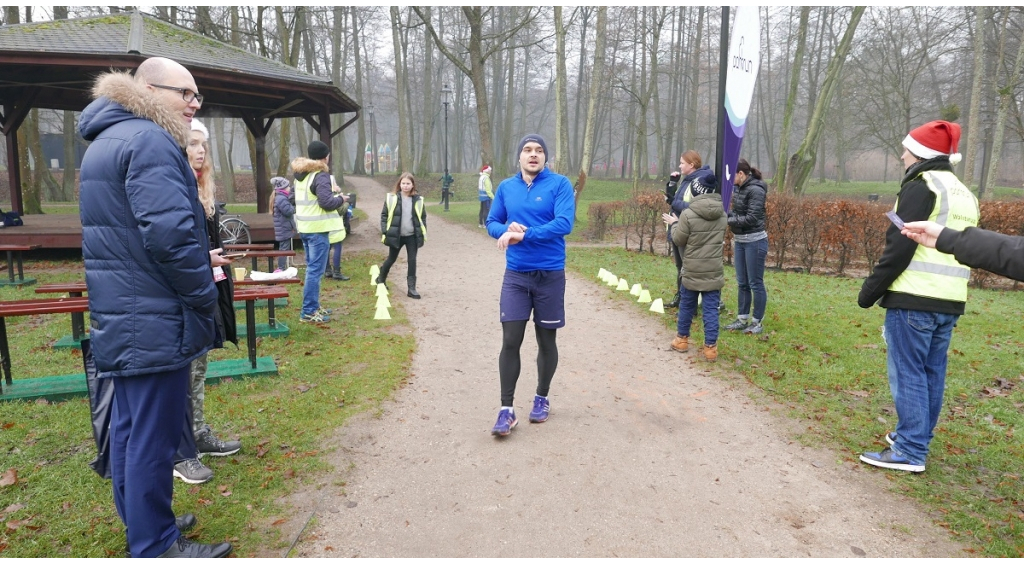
point(225, 490)
point(859, 393)
point(9, 478)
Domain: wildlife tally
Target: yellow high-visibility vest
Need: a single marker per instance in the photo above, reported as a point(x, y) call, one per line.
point(392, 200)
point(933, 274)
point(310, 217)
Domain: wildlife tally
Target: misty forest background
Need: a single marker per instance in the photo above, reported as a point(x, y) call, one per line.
point(618, 92)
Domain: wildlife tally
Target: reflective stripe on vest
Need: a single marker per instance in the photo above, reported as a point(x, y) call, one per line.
point(309, 216)
point(933, 274)
point(391, 200)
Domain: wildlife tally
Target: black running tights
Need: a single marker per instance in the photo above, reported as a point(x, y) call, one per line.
point(509, 364)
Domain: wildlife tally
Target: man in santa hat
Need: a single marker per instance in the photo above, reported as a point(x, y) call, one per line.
point(922, 290)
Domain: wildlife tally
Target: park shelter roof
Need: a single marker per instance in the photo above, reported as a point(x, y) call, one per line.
point(54, 64)
point(63, 58)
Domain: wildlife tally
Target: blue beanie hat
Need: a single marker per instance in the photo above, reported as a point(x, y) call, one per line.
point(536, 139)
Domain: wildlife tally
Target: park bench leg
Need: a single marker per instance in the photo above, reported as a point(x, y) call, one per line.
point(271, 316)
point(250, 330)
point(21, 271)
point(5, 353)
point(10, 265)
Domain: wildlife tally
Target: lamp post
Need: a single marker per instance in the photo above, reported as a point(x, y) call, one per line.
point(373, 140)
point(446, 180)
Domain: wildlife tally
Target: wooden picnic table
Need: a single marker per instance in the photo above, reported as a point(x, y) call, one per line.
point(32, 307)
point(246, 290)
point(74, 290)
point(14, 252)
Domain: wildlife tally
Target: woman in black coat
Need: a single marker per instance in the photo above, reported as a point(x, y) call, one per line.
point(403, 223)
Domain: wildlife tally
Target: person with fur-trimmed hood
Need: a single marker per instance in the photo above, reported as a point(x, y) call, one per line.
point(316, 217)
point(152, 299)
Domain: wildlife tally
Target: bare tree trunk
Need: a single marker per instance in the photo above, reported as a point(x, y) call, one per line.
point(694, 74)
point(561, 98)
point(1006, 93)
point(404, 134)
point(359, 164)
point(596, 82)
point(429, 108)
point(227, 168)
point(974, 116)
point(794, 83)
point(802, 162)
point(476, 71)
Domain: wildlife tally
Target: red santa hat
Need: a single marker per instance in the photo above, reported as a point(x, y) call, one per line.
point(934, 139)
point(486, 168)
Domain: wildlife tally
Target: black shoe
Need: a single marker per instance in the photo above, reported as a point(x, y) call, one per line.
point(339, 276)
point(674, 302)
point(207, 443)
point(411, 280)
point(185, 522)
point(185, 548)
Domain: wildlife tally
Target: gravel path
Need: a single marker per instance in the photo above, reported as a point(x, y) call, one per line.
point(645, 454)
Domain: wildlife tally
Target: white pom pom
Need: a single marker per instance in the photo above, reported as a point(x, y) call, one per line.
point(955, 158)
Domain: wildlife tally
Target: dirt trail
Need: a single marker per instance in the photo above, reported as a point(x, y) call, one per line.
point(644, 455)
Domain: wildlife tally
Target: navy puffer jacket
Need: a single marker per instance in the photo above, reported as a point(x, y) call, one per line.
point(152, 299)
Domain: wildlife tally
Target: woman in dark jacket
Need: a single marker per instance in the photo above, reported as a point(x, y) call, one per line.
point(747, 221)
point(403, 223)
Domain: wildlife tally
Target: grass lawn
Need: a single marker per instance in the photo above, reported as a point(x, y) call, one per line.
point(823, 358)
point(59, 507)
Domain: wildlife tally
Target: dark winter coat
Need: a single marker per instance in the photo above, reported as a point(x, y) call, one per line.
point(748, 207)
point(227, 326)
point(284, 215)
point(152, 300)
point(392, 233)
point(701, 230)
point(685, 185)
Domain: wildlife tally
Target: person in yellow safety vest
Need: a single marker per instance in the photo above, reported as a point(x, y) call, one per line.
point(403, 223)
point(486, 195)
point(316, 219)
point(923, 291)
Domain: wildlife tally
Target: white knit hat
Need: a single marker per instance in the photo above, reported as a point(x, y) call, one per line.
point(198, 126)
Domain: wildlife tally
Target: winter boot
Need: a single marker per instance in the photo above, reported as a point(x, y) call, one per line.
point(337, 275)
point(674, 302)
point(327, 271)
point(412, 288)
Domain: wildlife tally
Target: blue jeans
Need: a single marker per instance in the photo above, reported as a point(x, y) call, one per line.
point(336, 250)
point(917, 343)
point(749, 259)
point(316, 246)
point(709, 309)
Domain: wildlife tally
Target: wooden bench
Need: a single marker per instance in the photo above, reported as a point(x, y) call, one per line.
point(78, 289)
point(257, 251)
point(249, 295)
point(80, 305)
point(74, 290)
point(14, 253)
point(32, 307)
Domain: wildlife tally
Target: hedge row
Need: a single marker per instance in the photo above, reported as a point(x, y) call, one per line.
point(809, 233)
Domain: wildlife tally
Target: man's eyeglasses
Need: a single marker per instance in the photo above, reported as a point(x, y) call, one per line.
point(186, 94)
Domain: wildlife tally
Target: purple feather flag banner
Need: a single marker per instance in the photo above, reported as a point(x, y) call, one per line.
point(744, 62)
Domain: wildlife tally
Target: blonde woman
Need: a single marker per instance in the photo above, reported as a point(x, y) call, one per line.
point(202, 441)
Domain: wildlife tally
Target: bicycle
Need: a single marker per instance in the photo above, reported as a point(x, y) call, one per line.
point(233, 230)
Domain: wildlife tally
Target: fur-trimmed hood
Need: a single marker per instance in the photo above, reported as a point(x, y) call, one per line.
point(303, 166)
point(122, 88)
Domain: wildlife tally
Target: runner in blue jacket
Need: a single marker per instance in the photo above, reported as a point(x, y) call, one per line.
point(531, 214)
